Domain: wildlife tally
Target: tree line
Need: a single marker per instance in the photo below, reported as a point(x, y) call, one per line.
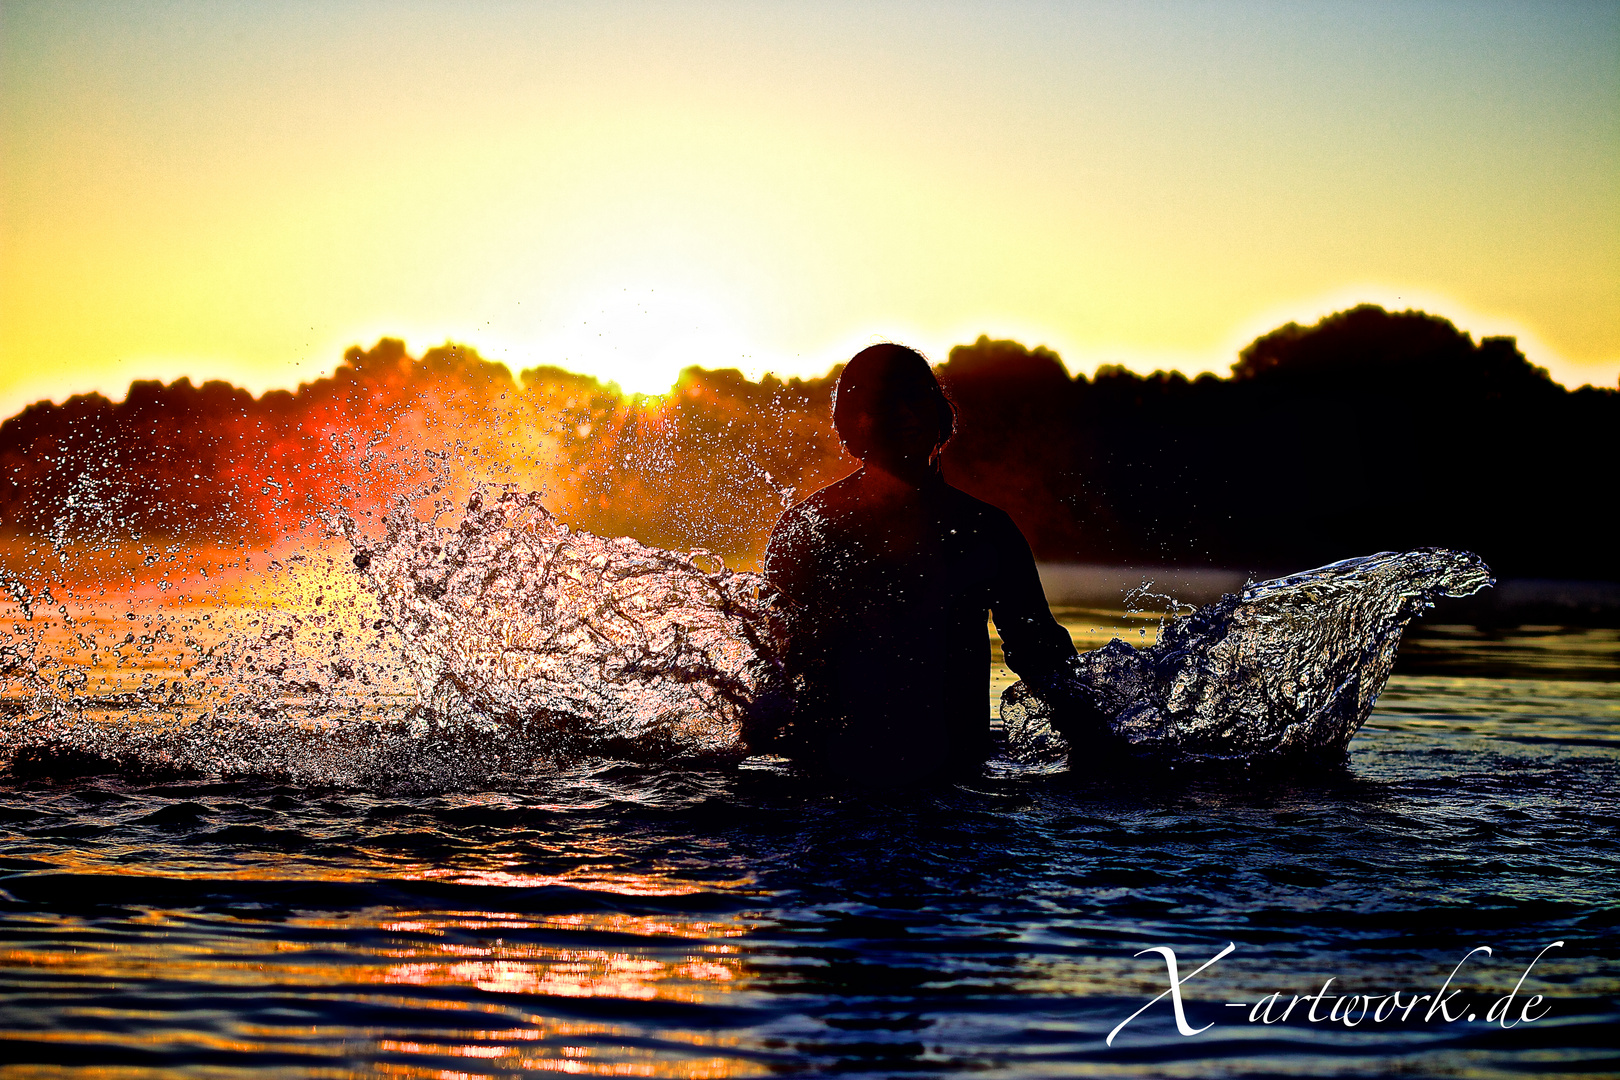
point(1367, 431)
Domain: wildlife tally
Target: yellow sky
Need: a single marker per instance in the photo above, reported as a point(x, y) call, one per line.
point(241, 190)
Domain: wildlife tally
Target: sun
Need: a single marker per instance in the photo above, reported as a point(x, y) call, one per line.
point(641, 337)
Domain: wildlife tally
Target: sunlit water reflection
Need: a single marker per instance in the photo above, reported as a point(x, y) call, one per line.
point(617, 919)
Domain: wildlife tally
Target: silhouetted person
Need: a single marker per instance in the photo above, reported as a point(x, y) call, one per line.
point(891, 573)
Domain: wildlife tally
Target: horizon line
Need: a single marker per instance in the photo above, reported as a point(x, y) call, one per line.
point(1136, 362)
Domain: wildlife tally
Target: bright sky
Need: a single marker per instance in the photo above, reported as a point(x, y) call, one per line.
point(242, 190)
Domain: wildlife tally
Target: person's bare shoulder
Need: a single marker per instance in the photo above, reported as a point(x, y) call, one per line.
point(803, 531)
point(987, 515)
point(823, 506)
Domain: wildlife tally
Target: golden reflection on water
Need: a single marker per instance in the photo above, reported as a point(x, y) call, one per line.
point(700, 969)
point(459, 956)
point(696, 971)
point(624, 884)
point(604, 921)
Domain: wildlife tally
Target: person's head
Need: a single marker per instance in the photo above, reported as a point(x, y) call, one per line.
point(888, 409)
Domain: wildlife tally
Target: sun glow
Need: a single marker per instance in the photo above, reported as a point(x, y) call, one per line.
point(245, 191)
point(642, 337)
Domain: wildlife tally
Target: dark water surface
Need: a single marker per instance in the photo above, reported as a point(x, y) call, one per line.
point(621, 920)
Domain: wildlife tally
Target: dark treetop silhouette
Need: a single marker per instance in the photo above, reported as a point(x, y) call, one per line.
point(891, 572)
point(1367, 431)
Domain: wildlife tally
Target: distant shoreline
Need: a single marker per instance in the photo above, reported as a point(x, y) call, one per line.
point(1513, 602)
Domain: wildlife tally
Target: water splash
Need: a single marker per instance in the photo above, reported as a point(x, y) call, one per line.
point(514, 617)
point(1286, 669)
point(505, 643)
point(432, 657)
point(1143, 599)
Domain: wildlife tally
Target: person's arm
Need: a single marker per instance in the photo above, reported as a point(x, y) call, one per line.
point(792, 566)
point(790, 554)
point(1035, 644)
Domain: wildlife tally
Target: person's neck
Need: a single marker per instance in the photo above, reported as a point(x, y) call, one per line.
point(903, 474)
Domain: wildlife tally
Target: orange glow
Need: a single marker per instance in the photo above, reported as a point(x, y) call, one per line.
point(680, 960)
point(185, 459)
point(623, 884)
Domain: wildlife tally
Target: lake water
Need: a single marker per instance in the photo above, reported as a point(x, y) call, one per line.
point(617, 919)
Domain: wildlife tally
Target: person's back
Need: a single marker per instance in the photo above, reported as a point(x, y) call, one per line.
point(891, 573)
